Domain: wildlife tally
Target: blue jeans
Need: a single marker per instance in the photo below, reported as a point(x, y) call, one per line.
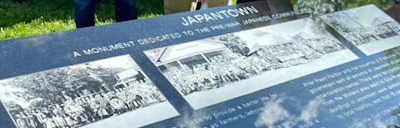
point(85, 9)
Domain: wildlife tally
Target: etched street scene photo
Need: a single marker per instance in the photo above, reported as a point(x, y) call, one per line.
point(107, 93)
point(368, 28)
point(213, 70)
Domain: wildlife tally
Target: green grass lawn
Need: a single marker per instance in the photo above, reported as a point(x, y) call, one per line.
point(44, 16)
point(36, 17)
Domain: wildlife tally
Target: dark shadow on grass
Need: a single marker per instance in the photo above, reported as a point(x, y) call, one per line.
point(50, 10)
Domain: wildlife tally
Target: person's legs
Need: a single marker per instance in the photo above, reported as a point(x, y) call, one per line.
point(243, 1)
point(125, 10)
point(84, 13)
point(19, 1)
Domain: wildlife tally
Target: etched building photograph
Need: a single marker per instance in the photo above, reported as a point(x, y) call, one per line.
point(213, 70)
point(368, 28)
point(112, 92)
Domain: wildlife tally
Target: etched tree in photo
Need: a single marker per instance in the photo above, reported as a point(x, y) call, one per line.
point(326, 6)
point(319, 6)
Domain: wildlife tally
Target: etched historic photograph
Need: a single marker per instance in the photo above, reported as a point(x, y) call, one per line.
point(367, 27)
point(112, 92)
point(213, 70)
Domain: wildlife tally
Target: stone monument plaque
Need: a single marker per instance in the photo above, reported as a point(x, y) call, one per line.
point(247, 65)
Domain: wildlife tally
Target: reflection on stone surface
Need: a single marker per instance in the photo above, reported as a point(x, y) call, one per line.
point(277, 114)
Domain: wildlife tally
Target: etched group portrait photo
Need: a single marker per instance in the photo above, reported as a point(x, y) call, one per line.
point(216, 69)
point(371, 32)
point(112, 92)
